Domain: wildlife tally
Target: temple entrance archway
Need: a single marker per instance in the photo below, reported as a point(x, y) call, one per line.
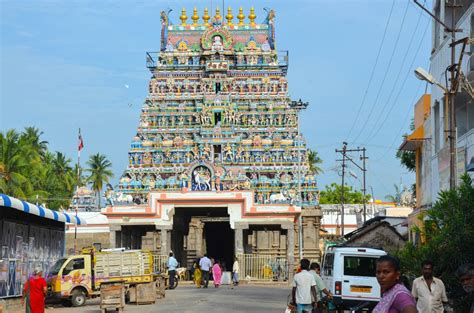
point(199, 230)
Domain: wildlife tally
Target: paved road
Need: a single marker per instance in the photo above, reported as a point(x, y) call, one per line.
point(186, 298)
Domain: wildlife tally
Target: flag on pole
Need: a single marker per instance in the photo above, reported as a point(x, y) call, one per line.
point(80, 144)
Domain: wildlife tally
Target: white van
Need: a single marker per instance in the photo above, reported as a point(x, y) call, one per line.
point(349, 273)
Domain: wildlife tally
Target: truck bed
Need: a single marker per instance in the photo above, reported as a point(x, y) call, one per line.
point(133, 266)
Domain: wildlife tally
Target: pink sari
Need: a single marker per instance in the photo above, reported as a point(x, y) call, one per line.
point(387, 301)
point(216, 274)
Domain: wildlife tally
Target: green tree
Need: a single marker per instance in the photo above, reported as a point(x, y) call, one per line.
point(314, 161)
point(448, 234)
point(30, 172)
point(17, 160)
point(100, 172)
point(396, 197)
point(332, 194)
point(407, 158)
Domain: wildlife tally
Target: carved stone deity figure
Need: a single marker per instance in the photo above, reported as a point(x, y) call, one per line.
point(217, 44)
point(229, 155)
point(206, 152)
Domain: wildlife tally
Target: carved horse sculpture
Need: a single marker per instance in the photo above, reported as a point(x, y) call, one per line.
point(202, 181)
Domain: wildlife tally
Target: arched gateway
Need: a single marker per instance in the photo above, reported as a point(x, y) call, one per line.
point(217, 164)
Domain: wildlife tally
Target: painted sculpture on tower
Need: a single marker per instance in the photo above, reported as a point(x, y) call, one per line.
point(218, 116)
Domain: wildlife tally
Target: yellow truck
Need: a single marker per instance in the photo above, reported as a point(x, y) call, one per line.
point(78, 277)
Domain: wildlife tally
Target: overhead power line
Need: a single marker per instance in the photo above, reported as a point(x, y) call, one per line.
point(373, 71)
point(408, 74)
point(385, 74)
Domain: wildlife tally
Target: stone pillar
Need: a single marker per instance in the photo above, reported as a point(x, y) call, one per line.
point(290, 252)
point(164, 242)
point(239, 238)
point(114, 236)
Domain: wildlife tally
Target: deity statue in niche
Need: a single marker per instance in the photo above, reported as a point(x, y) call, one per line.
point(183, 179)
point(206, 152)
point(201, 179)
point(147, 158)
point(217, 44)
point(229, 155)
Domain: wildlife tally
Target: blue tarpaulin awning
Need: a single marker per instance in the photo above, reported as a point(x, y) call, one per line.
point(38, 210)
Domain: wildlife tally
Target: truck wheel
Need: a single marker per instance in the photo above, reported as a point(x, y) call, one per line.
point(78, 298)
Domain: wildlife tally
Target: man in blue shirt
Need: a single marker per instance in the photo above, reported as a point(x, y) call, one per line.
point(205, 264)
point(172, 265)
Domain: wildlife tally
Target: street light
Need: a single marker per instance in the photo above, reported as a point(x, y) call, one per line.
point(423, 74)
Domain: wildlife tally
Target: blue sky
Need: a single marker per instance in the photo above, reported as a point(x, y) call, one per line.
point(65, 64)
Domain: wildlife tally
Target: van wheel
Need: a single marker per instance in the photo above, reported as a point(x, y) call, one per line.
point(78, 298)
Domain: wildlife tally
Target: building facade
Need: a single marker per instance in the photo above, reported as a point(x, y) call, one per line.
point(217, 164)
point(430, 139)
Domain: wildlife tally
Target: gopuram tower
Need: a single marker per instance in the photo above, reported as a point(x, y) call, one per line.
point(217, 164)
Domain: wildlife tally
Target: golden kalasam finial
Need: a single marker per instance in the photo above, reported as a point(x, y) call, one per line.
point(252, 16)
point(195, 17)
point(206, 17)
point(229, 16)
point(241, 17)
point(218, 14)
point(183, 17)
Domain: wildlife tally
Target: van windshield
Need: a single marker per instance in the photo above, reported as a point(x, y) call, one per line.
point(359, 266)
point(57, 266)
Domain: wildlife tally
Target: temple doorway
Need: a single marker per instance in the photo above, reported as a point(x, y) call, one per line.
point(199, 230)
point(220, 242)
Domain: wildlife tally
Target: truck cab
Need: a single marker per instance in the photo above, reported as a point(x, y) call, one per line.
point(349, 273)
point(71, 279)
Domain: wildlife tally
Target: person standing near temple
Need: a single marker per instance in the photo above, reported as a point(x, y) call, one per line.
point(465, 274)
point(315, 270)
point(304, 289)
point(172, 265)
point(428, 291)
point(235, 272)
point(205, 265)
point(34, 292)
point(217, 273)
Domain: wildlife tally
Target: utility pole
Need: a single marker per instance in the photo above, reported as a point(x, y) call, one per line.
point(455, 69)
point(363, 168)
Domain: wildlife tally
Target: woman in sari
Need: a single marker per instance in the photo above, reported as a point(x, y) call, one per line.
point(34, 293)
point(217, 274)
point(396, 298)
point(197, 276)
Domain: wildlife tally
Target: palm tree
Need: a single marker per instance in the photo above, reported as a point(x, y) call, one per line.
point(396, 198)
point(32, 136)
point(314, 160)
point(16, 160)
point(100, 173)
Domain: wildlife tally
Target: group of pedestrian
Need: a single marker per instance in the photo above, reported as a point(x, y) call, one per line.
point(205, 266)
point(427, 295)
point(308, 288)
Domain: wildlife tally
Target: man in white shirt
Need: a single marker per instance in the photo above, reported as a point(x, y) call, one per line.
point(304, 289)
point(235, 271)
point(429, 291)
point(205, 264)
point(172, 265)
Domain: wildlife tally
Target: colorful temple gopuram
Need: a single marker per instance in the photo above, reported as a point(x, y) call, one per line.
point(217, 164)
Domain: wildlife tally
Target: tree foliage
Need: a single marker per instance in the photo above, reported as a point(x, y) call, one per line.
point(314, 160)
point(448, 234)
point(30, 172)
point(332, 194)
point(99, 172)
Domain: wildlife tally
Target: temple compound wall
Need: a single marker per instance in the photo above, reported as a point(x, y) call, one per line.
point(218, 164)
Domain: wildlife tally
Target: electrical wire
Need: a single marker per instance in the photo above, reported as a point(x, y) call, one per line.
point(401, 88)
point(385, 75)
point(372, 72)
point(394, 85)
